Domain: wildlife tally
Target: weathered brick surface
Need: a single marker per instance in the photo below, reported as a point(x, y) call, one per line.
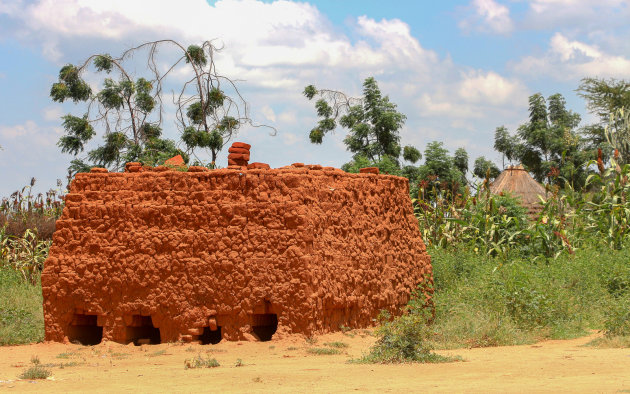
point(319, 248)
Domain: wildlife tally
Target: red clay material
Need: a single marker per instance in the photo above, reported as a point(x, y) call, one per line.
point(176, 161)
point(154, 256)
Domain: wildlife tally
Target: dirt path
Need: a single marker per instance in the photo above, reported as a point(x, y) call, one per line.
point(286, 366)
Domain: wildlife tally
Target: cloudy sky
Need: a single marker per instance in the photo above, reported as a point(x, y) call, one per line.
point(457, 69)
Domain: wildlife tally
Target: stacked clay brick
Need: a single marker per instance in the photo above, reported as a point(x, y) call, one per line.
point(315, 246)
point(238, 154)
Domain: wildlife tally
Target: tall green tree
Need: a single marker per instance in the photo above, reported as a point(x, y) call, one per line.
point(505, 143)
point(372, 121)
point(485, 168)
point(441, 170)
point(549, 145)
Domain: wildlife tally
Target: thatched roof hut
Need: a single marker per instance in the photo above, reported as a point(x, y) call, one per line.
point(520, 184)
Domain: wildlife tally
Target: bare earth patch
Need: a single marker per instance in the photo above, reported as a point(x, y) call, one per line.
point(287, 366)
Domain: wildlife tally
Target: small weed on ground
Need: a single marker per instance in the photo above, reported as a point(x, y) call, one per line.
point(157, 353)
point(63, 365)
point(323, 351)
point(35, 371)
point(216, 351)
point(68, 355)
point(201, 362)
point(119, 356)
point(339, 345)
point(238, 363)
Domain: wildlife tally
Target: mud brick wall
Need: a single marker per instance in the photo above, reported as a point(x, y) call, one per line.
point(229, 254)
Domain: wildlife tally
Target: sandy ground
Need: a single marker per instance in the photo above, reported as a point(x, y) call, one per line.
point(286, 366)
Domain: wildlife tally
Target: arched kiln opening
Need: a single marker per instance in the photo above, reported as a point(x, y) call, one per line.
point(142, 332)
point(84, 330)
point(210, 337)
point(264, 325)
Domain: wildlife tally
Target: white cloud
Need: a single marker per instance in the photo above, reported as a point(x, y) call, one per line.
point(545, 6)
point(290, 138)
point(567, 59)
point(489, 16)
point(490, 87)
point(288, 117)
point(28, 133)
point(584, 16)
point(27, 129)
point(52, 113)
point(268, 113)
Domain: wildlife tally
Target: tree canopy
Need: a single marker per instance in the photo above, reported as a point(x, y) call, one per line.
point(373, 123)
point(549, 145)
point(129, 109)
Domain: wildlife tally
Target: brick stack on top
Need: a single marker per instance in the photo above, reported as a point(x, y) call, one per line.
point(238, 154)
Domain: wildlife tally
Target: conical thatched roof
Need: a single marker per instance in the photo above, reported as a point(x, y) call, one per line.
point(516, 181)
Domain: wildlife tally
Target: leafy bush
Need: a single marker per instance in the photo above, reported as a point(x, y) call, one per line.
point(405, 339)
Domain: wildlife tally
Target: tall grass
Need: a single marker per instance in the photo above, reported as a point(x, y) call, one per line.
point(478, 304)
point(27, 222)
point(21, 315)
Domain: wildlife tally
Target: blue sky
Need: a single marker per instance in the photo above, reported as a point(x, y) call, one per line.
point(457, 69)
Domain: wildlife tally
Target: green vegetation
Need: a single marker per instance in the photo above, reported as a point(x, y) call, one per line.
point(200, 361)
point(323, 351)
point(157, 353)
point(549, 143)
point(21, 314)
point(338, 345)
point(35, 371)
point(405, 339)
point(482, 301)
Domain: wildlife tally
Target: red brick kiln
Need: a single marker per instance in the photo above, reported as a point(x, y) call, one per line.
point(163, 255)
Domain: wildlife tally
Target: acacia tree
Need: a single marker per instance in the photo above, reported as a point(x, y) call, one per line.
point(372, 121)
point(130, 109)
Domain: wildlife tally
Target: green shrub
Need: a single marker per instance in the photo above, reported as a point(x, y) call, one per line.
point(404, 339)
